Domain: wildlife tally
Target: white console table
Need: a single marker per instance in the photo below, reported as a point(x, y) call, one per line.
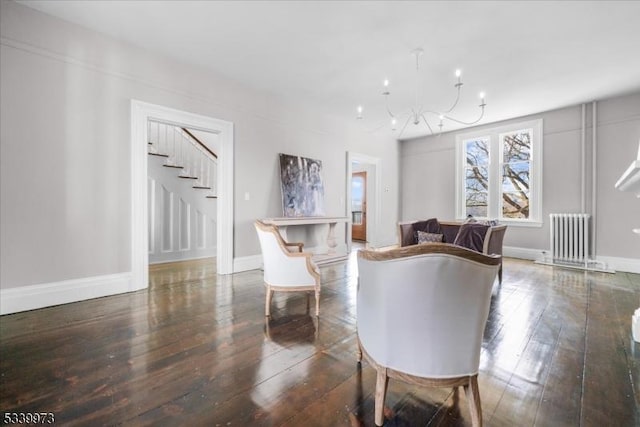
point(321, 255)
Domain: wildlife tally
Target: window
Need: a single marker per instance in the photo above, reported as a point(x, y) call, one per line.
point(499, 174)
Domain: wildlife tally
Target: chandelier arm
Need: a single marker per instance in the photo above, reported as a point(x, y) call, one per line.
point(376, 128)
point(386, 105)
point(404, 127)
point(466, 123)
point(401, 115)
point(455, 102)
point(390, 113)
point(427, 123)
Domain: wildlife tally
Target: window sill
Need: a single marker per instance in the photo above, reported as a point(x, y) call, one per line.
point(525, 224)
point(512, 223)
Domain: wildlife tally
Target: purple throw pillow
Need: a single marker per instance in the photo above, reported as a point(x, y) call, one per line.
point(471, 236)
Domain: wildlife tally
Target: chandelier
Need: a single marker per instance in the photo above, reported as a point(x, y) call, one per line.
point(417, 113)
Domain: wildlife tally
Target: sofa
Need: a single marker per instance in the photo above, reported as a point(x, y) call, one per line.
point(478, 236)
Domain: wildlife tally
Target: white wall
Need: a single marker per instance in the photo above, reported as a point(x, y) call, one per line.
point(182, 221)
point(65, 152)
point(428, 180)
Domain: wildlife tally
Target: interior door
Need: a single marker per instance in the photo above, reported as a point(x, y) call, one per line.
point(359, 206)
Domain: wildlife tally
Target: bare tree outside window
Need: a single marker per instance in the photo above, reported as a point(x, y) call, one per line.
point(516, 158)
point(516, 168)
point(477, 177)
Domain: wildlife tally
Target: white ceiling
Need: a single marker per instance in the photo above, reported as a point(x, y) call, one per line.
point(527, 56)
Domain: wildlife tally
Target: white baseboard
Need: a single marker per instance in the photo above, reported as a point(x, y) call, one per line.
point(23, 298)
point(628, 265)
point(522, 253)
point(177, 259)
point(246, 263)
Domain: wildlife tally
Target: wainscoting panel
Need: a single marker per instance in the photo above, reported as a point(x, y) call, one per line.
point(165, 220)
point(181, 219)
point(151, 200)
point(185, 225)
point(201, 231)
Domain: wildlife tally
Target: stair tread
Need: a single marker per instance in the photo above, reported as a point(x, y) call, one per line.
point(155, 149)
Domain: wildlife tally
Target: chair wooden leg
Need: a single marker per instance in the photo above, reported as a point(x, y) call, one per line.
point(500, 274)
point(267, 304)
point(317, 302)
point(473, 396)
point(359, 352)
point(381, 392)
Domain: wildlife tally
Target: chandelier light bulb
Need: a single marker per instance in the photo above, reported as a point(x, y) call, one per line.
point(458, 73)
point(441, 117)
point(393, 121)
point(385, 91)
point(482, 102)
point(359, 112)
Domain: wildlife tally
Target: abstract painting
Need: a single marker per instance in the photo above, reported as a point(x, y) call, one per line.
point(301, 186)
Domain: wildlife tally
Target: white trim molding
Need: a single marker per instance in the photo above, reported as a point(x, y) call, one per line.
point(23, 298)
point(494, 137)
point(628, 265)
point(173, 257)
point(522, 253)
point(141, 112)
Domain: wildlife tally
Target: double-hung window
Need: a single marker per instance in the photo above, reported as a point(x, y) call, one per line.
point(499, 174)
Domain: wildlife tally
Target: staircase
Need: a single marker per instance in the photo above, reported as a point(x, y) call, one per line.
point(184, 152)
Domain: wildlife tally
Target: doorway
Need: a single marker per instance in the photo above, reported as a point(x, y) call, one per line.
point(182, 194)
point(371, 187)
point(141, 113)
point(359, 206)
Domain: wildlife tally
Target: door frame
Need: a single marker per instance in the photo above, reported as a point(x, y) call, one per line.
point(141, 112)
point(373, 224)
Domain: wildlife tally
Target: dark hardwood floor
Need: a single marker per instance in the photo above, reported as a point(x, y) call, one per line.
point(195, 349)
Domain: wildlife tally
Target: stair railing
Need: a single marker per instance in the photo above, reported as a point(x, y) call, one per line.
point(182, 150)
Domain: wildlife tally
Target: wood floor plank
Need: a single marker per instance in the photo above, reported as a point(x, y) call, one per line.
point(196, 349)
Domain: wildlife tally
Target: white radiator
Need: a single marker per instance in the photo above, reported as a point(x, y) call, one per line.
point(570, 238)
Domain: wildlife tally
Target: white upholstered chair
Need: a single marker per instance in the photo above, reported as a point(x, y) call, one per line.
point(422, 310)
point(285, 269)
